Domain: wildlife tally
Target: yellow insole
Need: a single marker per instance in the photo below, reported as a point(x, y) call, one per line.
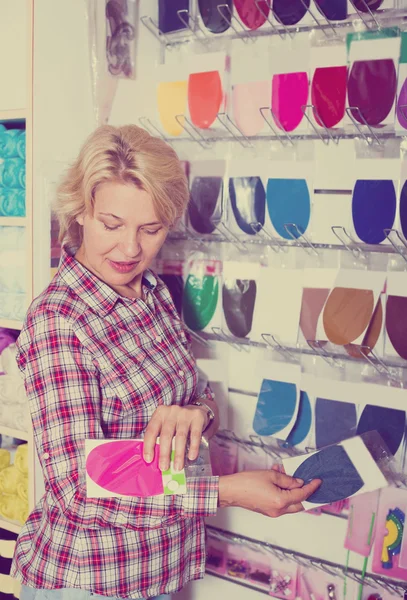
point(172, 101)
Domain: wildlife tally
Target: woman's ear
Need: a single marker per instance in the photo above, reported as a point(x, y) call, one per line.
point(79, 219)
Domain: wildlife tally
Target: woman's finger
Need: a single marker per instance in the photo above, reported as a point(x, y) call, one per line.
point(298, 495)
point(195, 440)
point(181, 437)
point(166, 437)
point(286, 482)
point(150, 437)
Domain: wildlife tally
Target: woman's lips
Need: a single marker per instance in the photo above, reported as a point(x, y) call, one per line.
point(123, 267)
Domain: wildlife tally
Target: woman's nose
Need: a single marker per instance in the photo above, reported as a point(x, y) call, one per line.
point(131, 246)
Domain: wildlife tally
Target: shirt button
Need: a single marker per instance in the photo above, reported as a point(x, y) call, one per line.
point(158, 339)
point(181, 373)
point(45, 456)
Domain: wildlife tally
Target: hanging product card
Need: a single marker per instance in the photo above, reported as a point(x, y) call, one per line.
point(333, 10)
point(278, 305)
point(396, 315)
point(202, 302)
point(300, 435)
point(171, 271)
point(252, 14)
point(346, 469)
point(373, 58)
point(242, 368)
point(205, 208)
point(362, 523)
point(208, 88)
point(350, 306)
point(335, 421)
point(242, 409)
point(116, 468)
point(390, 423)
point(251, 86)
point(328, 86)
point(172, 97)
point(239, 296)
point(389, 554)
point(245, 196)
point(121, 37)
point(317, 286)
point(278, 400)
point(213, 372)
point(316, 584)
point(289, 198)
point(214, 19)
point(401, 110)
point(290, 85)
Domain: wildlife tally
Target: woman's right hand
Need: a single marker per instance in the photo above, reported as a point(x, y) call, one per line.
point(267, 492)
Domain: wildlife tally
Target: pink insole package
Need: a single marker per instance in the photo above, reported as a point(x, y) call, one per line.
point(116, 468)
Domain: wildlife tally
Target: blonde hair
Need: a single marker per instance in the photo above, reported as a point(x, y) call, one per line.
point(125, 154)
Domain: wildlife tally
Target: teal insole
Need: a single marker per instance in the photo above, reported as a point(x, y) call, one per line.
point(200, 301)
point(303, 423)
point(275, 408)
point(288, 201)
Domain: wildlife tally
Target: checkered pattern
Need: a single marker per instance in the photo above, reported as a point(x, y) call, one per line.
point(97, 365)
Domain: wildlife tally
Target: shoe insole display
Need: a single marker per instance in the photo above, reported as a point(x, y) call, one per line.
point(347, 314)
point(200, 301)
point(248, 200)
point(332, 465)
point(206, 195)
point(372, 86)
point(396, 323)
point(289, 93)
point(373, 209)
point(248, 99)
point(372, 334)
point(302, 425)
point(366, 5)
point(175, 285)
point(205, 96)
point(388, 422)
point(333, 10)
point(172, 102)
point(403, 208)
point(402, 105)
point(288, 202)
point(239, 297)
point(213, 19)
point(328, 95)
point(168, 19)
point(252, 14)
point(313, 301)
point(276, 407)
point(290, 12)
point(335, 421)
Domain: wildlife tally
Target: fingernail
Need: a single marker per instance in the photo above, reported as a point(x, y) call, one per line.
point(177, 466)
point(299, 480)
point(148, 458)
point(163, 467)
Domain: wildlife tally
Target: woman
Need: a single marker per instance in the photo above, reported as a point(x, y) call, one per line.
point(104, 355)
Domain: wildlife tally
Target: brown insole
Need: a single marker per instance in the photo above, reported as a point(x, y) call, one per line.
point(347, 314)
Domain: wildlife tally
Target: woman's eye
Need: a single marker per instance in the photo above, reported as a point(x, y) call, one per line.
point(152, 232)
point(109, 228)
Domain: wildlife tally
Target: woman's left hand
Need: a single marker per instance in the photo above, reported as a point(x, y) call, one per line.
point(181, 422)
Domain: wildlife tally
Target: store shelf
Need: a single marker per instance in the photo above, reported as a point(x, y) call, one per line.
point(10, 324)
point(16, 433)
point(13, 221)
point(10, 526)
point(13, 115)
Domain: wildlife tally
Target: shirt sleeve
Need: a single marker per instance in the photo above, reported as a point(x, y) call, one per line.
point(62, 386)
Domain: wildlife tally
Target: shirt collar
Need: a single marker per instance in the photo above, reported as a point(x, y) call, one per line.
point(92, 290)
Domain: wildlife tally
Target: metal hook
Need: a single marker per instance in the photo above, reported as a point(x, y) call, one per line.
point(381, 367)
point(360, 13)
point(186, 18)
point(280, 138)
point(276, 345)
point(317, 131)
point(228, 124)
point(308, 9)
point(270, 22)
point(154, 29)
point(329, 23)
point(349, 110)
point(315, 345)
point(143, 120)
point(198, 338)
point(356, 251)
point(387, 233)
point(233, 239)
point(225, 338)
point(297, 238)
point(230, 19)
point(258, 227)
point(196, 136)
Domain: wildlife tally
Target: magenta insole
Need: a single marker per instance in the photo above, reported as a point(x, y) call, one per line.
point(119, 467)
point(248, 99)
point(403, 209)
point(328, 95)
point(396, 323)
point(402, 105)
point(289, 93)
point(252, 14)
point(372, 86)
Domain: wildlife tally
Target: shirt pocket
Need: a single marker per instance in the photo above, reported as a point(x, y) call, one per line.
point(123, 388)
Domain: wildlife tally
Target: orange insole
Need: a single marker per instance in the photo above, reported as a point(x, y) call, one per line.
point(347, 314)
point(205, 97)
point(172, 101)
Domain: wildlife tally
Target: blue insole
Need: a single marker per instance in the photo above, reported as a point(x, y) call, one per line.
point(334, 421)
point(373, 209)
point(288, 201)
point(303, 423)
point(388, 422)
point(275, 408)
point(248, 201)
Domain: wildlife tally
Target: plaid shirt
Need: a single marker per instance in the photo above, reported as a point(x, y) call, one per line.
point(97, 365)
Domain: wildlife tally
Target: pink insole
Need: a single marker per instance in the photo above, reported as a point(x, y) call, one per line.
point(289, 94)
point(247, 100)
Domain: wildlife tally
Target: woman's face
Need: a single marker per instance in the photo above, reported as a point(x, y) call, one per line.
point(122, 237)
